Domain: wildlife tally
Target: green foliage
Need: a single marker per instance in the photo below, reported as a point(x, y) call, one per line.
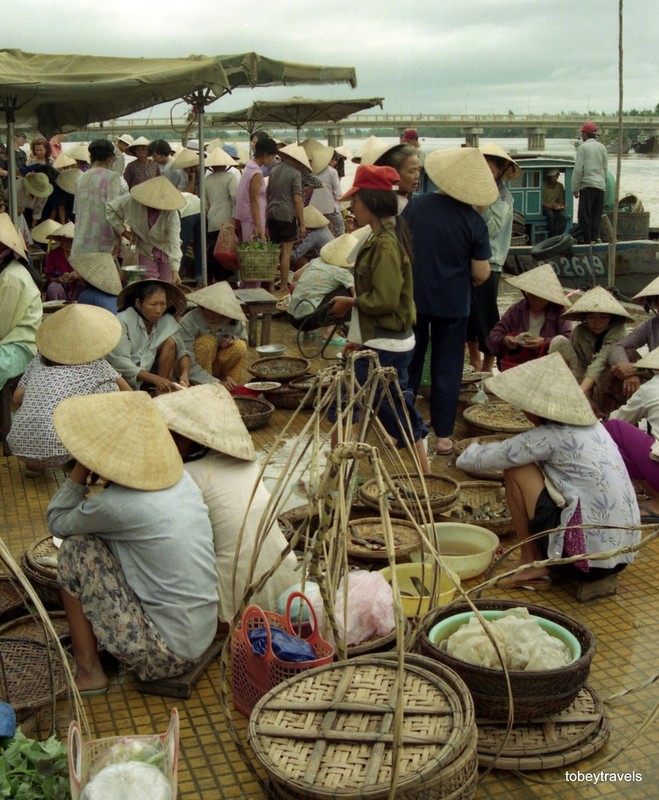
point(30, 769)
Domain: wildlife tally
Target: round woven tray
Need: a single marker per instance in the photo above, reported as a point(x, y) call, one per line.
point(495, 418)
point(481, 503)
point(11, 599)
point(27, 627)
point(324, 733)
point(254, 412)
point(574, 734)
point(462, 444)
point(27, 666)
point(40, 568)
point(475, 377)
point(279, 368)
point(369, 531)
point(441, 492)
point(299, 516)
point(536, 694)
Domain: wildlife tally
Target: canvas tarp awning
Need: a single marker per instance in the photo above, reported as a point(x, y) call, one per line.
point(54, 93)
point(252, 69)
point(294, 112)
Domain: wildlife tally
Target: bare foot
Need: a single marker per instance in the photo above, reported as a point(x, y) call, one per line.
point(444, 445)
point(87, 680)
point(533, 576)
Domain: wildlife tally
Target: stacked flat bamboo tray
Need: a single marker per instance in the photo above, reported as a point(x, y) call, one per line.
point(328, 733)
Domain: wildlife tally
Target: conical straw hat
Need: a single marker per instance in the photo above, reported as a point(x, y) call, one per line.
point(63, 160)
point(77, 334)
point(596, 301)
point(463, 174)
point(341, 252)
point(79, 152)
point(122, 437)
point(243, 155)
point(176, 302)
point(542, 282)
point(218, 297)
point(296, 153)
point(545, 387)
point(493, 149)
point(66, 231)
point(43, 230)
point(651, 290)
point(650, 361)
point(208, 415)
point(214, 144)
point(99, 270)
point(10, 237)
point(68, 180)
point(344, 152)
point(371, 149)
point(313, 218)
point(320, 158)
point(310, 146)
point(158, 193)
point(185, 158)
point(141, 141)
point(218, 158)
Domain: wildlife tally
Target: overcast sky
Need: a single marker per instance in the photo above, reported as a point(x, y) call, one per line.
point(422, 56)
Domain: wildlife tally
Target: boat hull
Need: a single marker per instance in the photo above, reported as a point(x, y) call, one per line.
point(587, 265)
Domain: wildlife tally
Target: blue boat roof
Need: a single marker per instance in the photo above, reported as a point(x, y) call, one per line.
point(535, 161)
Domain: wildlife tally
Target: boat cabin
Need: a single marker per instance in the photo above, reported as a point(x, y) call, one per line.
point(527, 191)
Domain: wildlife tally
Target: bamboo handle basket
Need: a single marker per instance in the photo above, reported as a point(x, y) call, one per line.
point(481, 503)
point(495, 418)
point(257, 262)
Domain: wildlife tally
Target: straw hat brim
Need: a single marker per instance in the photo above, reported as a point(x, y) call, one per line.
point(296, 153)
point(68, 180)
point(651, 290)
point(372, 148)
point(77, 334)
point(122, 437)
point(186, 158)
point(540, 281)
point(340, 251)
point(596, 301)
point(545, 387)
point(63, 161)
point(208, 415)
point(650, 361)
point(321, 158)
point(66, 231)
point(313, 218)
point(141, 141)
point(158, 193)
point(10, 237)
point(493, 149)
point(42, 231)
point(176, 301)
point(463, 174)
point(218, 297)
point(99, 270)
point(219, 158)
point(80, 152)
point(37, 191)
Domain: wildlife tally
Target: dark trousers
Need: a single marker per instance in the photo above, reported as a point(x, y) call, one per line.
point(591, 205)
point(448, 338)
point(484, 311)
point(191, 232)
point(555, 221)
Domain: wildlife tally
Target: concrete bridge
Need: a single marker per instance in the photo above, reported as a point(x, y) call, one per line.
point(472, 126)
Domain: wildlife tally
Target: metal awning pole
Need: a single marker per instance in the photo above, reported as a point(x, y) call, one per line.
point(614, 235)
point(11, 167)
point(202, 190)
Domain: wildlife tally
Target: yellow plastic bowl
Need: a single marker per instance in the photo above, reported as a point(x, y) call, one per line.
point(423, 574)
point(466, 549)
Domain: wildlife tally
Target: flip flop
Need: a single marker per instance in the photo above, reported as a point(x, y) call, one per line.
point(446, 452)
point(94, 692)
point(539, 584)
point(649, 516)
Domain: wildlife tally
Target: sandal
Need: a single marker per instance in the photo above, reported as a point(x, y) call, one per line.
point(539, 584)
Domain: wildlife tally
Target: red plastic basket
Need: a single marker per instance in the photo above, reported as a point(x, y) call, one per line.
point(254, 675)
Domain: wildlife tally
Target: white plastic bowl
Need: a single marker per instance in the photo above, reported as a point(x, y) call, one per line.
point(466, 549)
point(267, 350)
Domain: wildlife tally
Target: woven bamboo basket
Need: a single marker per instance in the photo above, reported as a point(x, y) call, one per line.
point(366, 539)
point(481, 503)
point(279, 368)
point(536, 694)
point(439, 492)
point(254, 412)
point(325, 734)
point(257, 263)
point(30, 674)
point(40, 568)
point(298, 517)
point(287, 396)
point(11, 599)
point(495, 418)
point(29, 627)
point(462, 444)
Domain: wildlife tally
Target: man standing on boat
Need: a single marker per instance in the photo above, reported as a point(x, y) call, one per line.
point(589, 182)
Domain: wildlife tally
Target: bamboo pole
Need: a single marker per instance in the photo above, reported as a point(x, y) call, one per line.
point(614, 233)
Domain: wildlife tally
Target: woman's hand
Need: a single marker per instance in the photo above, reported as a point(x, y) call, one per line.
point(623, 371)
point(631, 385)
point(162, 385)
point(339, 306)
point(226, 342)
point(532, 342)
point(176, 279)
point(510, 342)
point(350, 347)
point(229, 384)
